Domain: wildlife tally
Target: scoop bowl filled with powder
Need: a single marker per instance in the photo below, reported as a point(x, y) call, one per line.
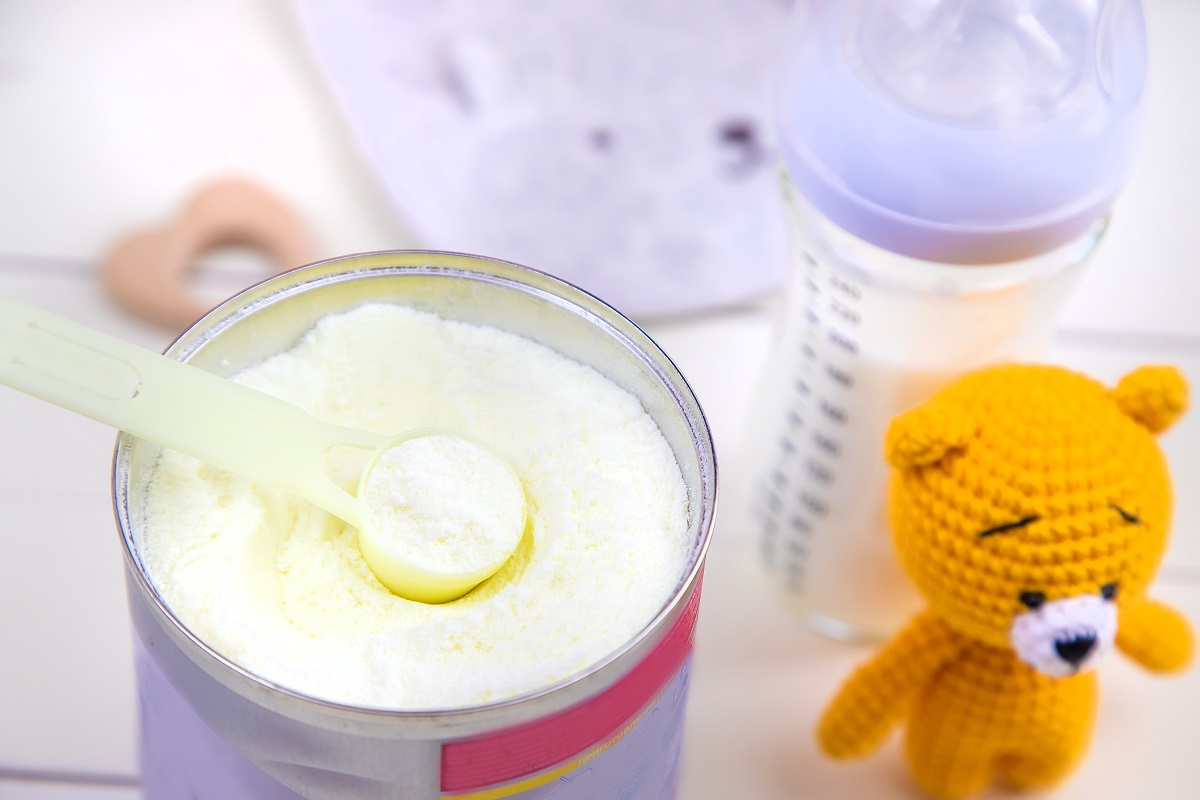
point(442, 506)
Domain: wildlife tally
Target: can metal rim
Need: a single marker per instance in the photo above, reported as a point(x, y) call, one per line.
point(464, 720)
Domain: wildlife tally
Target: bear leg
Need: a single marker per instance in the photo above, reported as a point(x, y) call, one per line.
point(1048, 759)
point(944, 768)
point(1036, 770)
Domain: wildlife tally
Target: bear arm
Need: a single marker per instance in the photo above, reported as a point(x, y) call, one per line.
point(1155, 635)
point(876, 697)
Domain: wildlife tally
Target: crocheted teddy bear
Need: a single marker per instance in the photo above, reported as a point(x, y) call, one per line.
point(1031, 507)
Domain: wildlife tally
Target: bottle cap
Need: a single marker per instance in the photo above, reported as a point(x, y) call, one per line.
point(963, 131)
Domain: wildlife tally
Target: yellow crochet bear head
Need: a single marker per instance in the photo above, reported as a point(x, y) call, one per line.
point(1026, 500)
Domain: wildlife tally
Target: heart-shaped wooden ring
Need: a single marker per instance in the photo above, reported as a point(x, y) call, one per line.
point(146, 272)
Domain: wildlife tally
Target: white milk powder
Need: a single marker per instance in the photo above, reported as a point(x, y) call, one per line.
point(443, 504)
point(279, 587)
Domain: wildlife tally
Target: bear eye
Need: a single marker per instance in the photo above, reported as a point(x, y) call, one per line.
point(1132, 519)
point(1009, 526)
point(1108, 591)
point(1033, 600)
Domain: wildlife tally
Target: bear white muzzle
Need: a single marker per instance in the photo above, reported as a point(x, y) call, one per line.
point(1065, 637)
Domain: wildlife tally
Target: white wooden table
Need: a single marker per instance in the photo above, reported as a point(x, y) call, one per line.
point(104, 125)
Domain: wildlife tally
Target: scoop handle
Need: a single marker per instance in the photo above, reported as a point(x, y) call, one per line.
point(174, 404)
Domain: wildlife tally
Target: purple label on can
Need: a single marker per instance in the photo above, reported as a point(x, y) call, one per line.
point(181, 757)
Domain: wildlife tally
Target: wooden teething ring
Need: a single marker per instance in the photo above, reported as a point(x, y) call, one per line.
point(146, 273)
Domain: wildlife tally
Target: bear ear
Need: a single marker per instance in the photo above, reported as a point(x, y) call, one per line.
point(1152, 396)
point(924, 435)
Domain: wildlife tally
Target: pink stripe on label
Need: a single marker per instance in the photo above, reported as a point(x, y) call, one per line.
point(527, 749)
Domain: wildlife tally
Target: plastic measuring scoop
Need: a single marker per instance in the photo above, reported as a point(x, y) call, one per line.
point(238, 429)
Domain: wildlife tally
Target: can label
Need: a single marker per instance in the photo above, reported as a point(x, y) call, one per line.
point(184, 759)
point(624, 743)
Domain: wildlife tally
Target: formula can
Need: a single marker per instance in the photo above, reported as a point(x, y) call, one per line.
point(211, 729)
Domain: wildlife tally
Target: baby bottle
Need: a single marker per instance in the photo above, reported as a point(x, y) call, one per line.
point(948, 165)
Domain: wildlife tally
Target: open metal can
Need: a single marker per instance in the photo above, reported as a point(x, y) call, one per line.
point(212, 729)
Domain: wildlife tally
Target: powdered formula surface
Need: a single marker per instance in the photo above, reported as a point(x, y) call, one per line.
point(279, 587)
point(442, 504)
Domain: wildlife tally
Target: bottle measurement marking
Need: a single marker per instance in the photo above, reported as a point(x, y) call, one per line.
point(827, 444)
point(843, 341)
point(840, 376)
point(845, 312)
point(833, 413)
point(815, 505)
point(824, 373)
point(845, 287)
point(819, 472)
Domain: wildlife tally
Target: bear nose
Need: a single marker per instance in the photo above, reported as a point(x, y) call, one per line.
point(1075, 649)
